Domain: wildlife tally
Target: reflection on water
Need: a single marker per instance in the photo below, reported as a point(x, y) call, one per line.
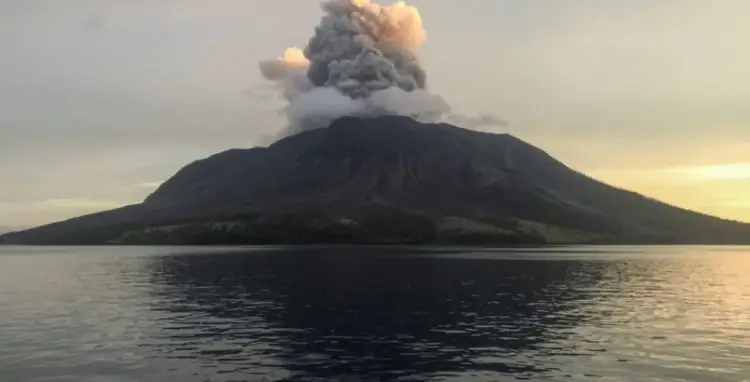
point(151, 314)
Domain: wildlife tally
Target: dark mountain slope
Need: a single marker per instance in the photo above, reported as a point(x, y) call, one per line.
point(432, 170)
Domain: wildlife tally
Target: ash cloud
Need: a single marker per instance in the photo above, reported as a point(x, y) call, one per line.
point(361, 61)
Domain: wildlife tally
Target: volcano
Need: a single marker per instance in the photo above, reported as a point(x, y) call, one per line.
point(388, 179)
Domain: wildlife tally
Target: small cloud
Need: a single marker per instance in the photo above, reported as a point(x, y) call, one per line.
point(730, 171)
point(476, 121)
point(81, 203)
point(638, 175)
point(736, 203)
point(720, 172)
point(149, 185)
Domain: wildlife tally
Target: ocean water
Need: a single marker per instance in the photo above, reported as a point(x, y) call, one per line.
point(374, 314)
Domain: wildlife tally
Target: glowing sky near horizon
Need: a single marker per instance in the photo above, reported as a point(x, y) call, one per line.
point(102, 100)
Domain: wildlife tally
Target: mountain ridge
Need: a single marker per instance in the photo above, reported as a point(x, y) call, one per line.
point(433, 171)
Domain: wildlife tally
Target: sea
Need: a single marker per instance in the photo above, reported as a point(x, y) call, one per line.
point(117, 314)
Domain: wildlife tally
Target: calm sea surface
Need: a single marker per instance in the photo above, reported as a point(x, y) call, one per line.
point(353, 314)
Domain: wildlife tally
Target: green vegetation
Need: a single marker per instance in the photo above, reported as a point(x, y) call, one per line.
point(374, 225)
point(381, 226)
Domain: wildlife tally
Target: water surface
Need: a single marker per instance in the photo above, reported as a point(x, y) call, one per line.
point(374, 314)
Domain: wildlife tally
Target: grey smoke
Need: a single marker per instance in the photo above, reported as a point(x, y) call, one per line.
point(360, 48)
point(361, 61)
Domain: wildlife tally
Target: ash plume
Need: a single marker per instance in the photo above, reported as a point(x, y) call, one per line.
point(361, 61)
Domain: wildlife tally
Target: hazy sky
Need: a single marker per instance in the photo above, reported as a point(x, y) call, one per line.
point(100, 100)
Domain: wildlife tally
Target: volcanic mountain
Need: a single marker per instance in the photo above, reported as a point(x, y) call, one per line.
point(388, 180)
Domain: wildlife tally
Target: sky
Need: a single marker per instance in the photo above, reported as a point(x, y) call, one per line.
point(102, 100)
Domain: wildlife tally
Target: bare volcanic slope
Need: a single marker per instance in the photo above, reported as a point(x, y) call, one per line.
point(438, 172)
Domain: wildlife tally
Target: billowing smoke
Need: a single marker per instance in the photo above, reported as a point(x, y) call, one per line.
point(361, 61)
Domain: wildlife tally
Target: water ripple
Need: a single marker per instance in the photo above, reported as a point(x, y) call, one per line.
point(110, 314)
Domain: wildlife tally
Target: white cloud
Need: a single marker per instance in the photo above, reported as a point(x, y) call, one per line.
point(88, 204)
point(741, 203)
point(681, 174)
point(730, 171)
point(149, 185)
